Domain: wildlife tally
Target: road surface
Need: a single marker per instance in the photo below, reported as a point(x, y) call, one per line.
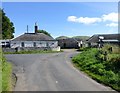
point(50, 72)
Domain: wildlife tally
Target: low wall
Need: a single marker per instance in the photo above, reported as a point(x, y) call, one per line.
point(33, 48)
point(30, 49)
point(8, 49)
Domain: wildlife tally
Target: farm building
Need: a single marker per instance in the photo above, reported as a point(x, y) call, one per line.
point(96, 40)
point(70, 43)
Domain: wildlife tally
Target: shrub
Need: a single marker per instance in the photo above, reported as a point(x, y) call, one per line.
point(99, 55)
point(101, 71)
point(116, 49)
point(111, 78)
point(110, 48)
point(84, 48)
point(115, 63)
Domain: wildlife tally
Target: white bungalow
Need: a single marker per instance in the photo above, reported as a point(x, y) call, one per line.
point(34, 40)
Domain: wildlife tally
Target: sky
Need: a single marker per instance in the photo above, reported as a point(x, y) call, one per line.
point(60, 0)
point(64, 18)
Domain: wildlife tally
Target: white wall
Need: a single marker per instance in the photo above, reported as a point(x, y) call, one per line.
point(15, 44)
point(56, 48)
point(5, 42)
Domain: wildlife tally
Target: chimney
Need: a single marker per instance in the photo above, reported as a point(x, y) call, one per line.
point(36, 28)
point(27, 28)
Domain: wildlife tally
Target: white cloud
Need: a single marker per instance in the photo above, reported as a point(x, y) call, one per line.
point(110, 17)
point(72, 18)
point(87, 20)
point(84, 20)
point(112, 25)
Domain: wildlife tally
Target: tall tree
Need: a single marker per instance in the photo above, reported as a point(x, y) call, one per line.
point(45, 32)
point(7, 26)
point(0, 24)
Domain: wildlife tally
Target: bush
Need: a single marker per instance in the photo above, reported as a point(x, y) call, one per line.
point(110, 48)
point(99, 55)
point(106, 47)
point(84, 48)
point(115, 63)
point(111, 78)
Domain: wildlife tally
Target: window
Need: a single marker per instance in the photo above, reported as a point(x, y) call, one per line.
point(7, 42)
point(47, 45)
point(52, 43)
point(3, 42)
point(22, 44)
point(34, 44)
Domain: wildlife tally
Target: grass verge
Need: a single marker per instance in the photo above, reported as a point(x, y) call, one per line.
point(6, 74)
point(106, 72)
point(0, 70)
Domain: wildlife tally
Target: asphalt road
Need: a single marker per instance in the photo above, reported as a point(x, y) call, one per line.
point(50, 72)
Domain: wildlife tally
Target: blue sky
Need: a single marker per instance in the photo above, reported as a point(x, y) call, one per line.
point(65, 18)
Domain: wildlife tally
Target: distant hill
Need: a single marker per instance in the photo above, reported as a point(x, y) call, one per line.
point(62, 37)
point(82, 37)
